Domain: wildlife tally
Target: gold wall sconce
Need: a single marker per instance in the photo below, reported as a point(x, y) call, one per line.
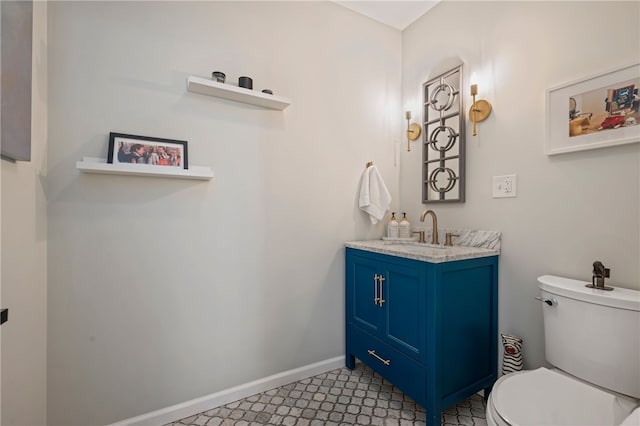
point(479, 110)
point(413, 130)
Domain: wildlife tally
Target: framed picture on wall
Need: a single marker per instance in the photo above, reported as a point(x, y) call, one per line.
point(145, 151)
point(594, 112)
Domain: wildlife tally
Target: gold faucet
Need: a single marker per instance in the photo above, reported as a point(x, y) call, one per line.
point(434, 234)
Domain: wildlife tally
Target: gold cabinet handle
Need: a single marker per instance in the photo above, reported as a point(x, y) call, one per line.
point(376, 356)
point(381, 281)
point(375, 289)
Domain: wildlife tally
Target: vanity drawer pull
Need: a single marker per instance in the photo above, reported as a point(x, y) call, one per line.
point(375, 355)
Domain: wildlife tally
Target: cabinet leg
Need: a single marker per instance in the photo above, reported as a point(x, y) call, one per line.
point(433, 418)
point(350, 361)
point(434, 413)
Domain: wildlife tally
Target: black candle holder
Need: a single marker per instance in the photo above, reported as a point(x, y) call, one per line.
point(245, 82)
point(218, 76)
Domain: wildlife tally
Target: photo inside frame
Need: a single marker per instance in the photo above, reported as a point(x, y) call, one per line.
point(604, 109)
point(145, 152)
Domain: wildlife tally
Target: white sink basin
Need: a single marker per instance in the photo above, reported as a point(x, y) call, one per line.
point(415, 243)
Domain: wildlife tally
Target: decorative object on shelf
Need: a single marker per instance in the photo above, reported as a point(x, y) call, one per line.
point(145, 151)
point(594, 112)
point(443, 169)
point(245, 82)
point(218, 76)
point(479, 110)
point(267, 91)
point(413, 130)
point(512, 357)
point(205, 86)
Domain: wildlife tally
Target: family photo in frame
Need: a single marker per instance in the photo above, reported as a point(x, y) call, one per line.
point(146, 151)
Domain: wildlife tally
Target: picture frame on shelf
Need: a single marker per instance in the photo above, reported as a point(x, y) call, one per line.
point(594, 112)
point(147, 151)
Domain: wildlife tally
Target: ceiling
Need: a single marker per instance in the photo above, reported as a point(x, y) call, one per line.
point(397, 14)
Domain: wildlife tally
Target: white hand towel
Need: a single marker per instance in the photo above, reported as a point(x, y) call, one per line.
point(374, 195)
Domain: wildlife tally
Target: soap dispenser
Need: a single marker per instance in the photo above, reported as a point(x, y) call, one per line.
point(404, 228)
point(392, 227)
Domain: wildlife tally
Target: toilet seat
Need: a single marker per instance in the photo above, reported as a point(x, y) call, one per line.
point(545, 397)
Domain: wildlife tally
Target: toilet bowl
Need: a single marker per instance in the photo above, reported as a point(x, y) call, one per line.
point(546, 397)
point(592, 337)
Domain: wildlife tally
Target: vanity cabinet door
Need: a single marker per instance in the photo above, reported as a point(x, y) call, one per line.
point(405, 307)
point(363, 293)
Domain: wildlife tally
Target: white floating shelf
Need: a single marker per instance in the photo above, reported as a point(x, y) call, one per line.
point(100, 165)
point(209, 87)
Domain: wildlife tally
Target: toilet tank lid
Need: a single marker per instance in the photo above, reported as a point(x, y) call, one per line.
point(621, 298)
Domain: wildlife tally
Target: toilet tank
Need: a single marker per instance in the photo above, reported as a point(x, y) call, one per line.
point(593, 334)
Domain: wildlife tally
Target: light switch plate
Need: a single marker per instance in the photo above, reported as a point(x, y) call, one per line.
point(504, 186)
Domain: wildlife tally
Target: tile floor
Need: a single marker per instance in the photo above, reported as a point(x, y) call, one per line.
point(339, 397)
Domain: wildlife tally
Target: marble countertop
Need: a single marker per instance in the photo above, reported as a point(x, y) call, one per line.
point(470, 245)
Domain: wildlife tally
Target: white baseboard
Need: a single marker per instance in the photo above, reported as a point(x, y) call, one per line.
point(198, 405)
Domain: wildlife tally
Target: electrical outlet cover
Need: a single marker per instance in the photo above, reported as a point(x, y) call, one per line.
point(504, 186)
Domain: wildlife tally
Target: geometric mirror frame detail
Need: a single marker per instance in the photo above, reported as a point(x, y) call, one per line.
point(443, 148)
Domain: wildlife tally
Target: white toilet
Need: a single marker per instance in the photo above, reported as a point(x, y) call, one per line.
point(593, 339)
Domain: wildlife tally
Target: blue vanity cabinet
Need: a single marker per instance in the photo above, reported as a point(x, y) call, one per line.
point(428, 328)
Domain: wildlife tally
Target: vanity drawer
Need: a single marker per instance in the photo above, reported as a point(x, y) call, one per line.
point(395, 367)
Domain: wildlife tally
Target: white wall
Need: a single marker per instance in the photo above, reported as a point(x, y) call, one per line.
point(571, 209)
point(165, 290)
point(24, 259)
